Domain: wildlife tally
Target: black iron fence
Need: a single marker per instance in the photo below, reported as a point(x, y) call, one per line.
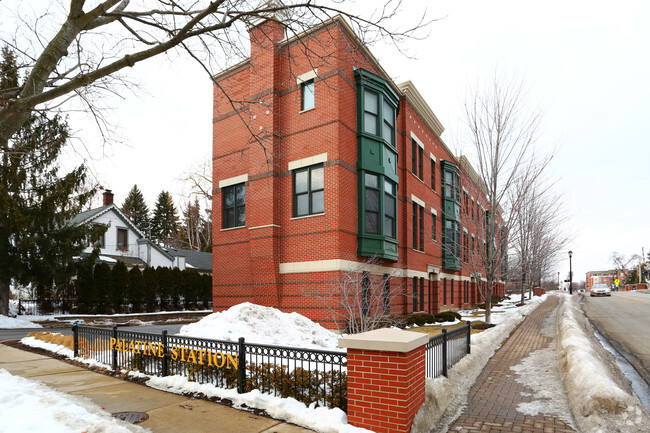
point(446, 349)
point(68, 306)
point(305, 374)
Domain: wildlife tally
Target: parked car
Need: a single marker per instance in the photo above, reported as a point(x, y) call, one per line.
point(600, 290)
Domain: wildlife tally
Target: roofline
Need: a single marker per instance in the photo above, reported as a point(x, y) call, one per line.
point(343, 24)
point(105, 209)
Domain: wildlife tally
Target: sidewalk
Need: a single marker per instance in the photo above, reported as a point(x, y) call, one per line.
point(492, 401)
point(168, 413)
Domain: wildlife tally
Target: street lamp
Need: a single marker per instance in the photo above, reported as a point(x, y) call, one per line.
point(570, 274)
point(558, 280)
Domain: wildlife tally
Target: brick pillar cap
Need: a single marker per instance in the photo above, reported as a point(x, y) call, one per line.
point(387, 340)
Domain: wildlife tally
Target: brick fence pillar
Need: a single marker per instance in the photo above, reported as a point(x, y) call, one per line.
point(385, 378)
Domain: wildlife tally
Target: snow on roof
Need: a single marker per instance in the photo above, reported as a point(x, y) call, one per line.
point(263, 325)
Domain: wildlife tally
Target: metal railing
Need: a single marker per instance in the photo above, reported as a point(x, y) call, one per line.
point(307, 375)
point(446, 349)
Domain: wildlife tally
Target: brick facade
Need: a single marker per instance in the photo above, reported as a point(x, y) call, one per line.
point(261, 134)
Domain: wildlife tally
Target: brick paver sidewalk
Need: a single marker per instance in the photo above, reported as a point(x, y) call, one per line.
point(492, 401)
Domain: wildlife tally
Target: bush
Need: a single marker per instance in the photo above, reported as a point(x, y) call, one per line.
point(447, 316)
point(419, 319)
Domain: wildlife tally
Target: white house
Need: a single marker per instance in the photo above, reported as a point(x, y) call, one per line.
point(122, 240)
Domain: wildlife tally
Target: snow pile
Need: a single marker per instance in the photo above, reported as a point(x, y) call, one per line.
point(600, 401)
point(321, 419)
point(262, 325)
point(447, 396)
point(15, 323)
point(27, 406)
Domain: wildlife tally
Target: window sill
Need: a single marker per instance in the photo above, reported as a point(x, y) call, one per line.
point(307, 216)
point(308, 109)
point(418, 251)
point(233, 228)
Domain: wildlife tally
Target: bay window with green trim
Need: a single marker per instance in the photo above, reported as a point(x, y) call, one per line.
point(451, 244)
point(377, 106)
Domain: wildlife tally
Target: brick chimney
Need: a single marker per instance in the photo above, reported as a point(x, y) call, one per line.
point(108, 197)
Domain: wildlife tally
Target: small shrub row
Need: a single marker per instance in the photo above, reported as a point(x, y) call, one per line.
point(423, 319)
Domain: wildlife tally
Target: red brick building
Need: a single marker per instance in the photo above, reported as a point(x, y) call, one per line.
point(605, 277)
point(322, 164)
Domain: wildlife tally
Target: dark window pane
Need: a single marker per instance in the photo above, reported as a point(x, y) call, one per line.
point(229, 217)
point(241, 216)
point(389, 227)
point(228, 197)
point(317, 202)
point(389, 205)
point(372, 200)
point(372, 222)
point(241, 195)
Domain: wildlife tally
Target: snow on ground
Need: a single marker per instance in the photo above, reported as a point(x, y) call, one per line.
point(601, 399)
point(447, 396)
point(15, 323)
point(263, 325)
point(599, 402)
point(27, 406)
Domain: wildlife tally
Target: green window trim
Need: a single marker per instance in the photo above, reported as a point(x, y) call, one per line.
point(377, 107)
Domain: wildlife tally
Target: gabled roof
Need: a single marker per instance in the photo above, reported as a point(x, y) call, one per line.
point(90, 215)
point(195, 259)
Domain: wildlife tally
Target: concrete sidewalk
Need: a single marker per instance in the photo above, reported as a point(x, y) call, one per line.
point(167, 412)
point(493, 400)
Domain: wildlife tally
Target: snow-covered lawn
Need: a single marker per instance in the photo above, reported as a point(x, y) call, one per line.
point(28, 406)
point(16, 323)
point(602, 404)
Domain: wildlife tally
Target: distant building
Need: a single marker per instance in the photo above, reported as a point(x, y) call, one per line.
point(346, 166)
point(604, 277)
point(190, 259)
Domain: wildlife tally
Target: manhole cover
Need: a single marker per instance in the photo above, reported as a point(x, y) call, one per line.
point(131, 417)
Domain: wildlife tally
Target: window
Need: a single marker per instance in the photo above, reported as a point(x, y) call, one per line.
point(370, 112)
point(418, 227)
point(365, 294)
point(465, 247)
point(377, 107)
point(473, 204)
point(433, 227)
point(234, 206)
point(451, 186)
point(417, 160)
point(451, 290)
point(452, 238)
point(386, 293)
point(444, 291)
point(388, 133)
point(433, 174)
point(418, 294)
point(372, 203)
point(390, 209)
point(122, 239)
point(308, 190)
point(307, 95)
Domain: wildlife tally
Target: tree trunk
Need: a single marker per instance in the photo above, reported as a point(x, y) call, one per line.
point(4, 296)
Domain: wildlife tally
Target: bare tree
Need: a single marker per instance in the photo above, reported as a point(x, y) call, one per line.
point(359, 299)
point(501, 133)
point(623, 264)
point(536, 239)
point(81, 50)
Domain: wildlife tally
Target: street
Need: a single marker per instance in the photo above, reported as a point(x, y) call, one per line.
point(624, 321)
point(13, 334)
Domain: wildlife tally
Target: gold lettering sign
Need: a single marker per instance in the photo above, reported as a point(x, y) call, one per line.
point(185, 354)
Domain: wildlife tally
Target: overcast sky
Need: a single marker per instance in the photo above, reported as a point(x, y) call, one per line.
point(586, 65)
